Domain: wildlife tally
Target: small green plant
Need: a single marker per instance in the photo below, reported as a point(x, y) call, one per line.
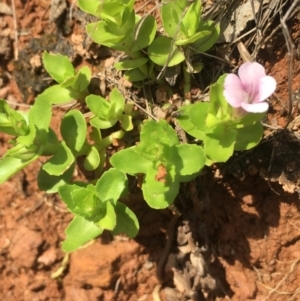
point(185, 30)
point(108, 113)
point(229, 121)
point(120, 28)
point(33, 137)
point(96, 208)
point(71, 85)
point(163, 160)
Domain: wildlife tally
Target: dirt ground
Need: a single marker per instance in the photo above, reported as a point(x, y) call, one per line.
point(244, 215)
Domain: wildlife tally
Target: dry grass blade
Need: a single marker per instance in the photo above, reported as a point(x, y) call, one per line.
point(220, 10)
point(291, 49)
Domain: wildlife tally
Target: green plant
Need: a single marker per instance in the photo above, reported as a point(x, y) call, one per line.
point(120, 28)
point(108, 113)
point(229, 121)
point(164, 161)
point(71, 84)
point(96, 208)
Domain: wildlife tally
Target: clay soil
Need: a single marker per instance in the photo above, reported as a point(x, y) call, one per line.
point(243, 217)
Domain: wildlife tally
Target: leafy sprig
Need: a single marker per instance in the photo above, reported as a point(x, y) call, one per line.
point(220, 126)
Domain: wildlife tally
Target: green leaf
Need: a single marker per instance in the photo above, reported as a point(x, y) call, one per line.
point(58, 95)
point(102, 34)
point(250, 119)
point(219, 109)
point(51, 144)
point(11, 121)
point(80, 81)
point(11, 165)
point(96, 136)
point(159, 194)
point(135, 75)
point(181, 3)
point(60, 162)
point(58, 66)
point(158, 132)
point(130, 162)
point(107, 113)
point(98, 105)
point(112, 10)
point(128, 22)
point(102, 124)
point(189, 159)
point(30, 138)
point(25, 153)
point(155, 137)
point(79, 198)
point(73, 129)
point(40, 114)
point(205, 43)
point(219, 143)
point(160, 177)
point(144, 33)
point(40, 117)
point(197, 114)
point(117, 99)
point(248, 137)
point(198, 35)
point(164, 52)
point(131, 64)
point(109, 220)
point(85, 202)
point(90, 6)
point(192, 17)
point(65, 194)
point(50, 184)
point(126, 122)
point(184, 120)
point(79, 232)
point(171, 14)
point(92, 159)
point(111, 185)
point(127, 222)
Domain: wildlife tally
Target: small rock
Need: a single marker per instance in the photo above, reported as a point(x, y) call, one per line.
point(249, 199)
point(5, 9)
point(24, 246)
point(48, 257)
point(99, 265)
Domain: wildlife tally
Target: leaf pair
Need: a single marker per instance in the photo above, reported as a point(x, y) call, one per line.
point(164, 161)
point(108, 113)
point(34, 137)
point(184, 27)
point(96, 207)
point(71, 85)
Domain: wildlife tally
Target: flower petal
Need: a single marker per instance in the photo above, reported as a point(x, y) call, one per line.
point(255, 107)
point(250, 75)
point(233, 90)
point(267, 86)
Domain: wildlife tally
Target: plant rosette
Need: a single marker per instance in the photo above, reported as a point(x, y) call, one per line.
point(121, 29)
point(185, 29)
point(96, 208)
point(231, 119)
point(163, 160)
point(71, 84)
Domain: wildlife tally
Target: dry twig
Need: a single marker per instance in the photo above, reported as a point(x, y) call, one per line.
point(16, 48)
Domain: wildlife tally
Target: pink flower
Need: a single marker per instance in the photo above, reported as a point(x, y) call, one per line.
point(250, 88)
